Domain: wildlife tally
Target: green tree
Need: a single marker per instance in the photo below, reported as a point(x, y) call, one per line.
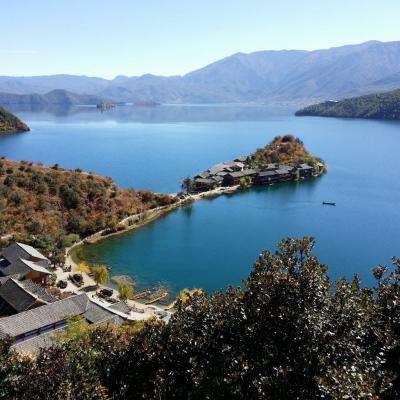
point(100, 274)
point(188, 185)
point(125, 289)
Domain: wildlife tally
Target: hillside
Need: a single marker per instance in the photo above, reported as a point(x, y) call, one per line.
point(283, 150)
point(44, 206)
point(57, 97)
point(286, 76)
point(374, 106)
point(9, 123)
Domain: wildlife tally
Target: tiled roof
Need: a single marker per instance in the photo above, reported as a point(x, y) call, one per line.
point(38, 290)
point(17, 250)
point(32, 251)
point(16, 296)
point(22, 267)
point(42, 316)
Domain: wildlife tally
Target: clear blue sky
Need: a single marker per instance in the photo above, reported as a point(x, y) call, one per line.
point(168, 37)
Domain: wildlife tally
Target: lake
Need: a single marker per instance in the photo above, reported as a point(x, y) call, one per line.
point(213, 243)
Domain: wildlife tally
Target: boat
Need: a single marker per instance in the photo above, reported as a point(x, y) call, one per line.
point(329, 203)
point(142, 294)
point(157, 297)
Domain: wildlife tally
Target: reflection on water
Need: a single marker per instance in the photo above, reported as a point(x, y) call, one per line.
point(158, 114)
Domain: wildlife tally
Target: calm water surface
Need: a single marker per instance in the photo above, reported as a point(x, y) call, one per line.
point(213, 243)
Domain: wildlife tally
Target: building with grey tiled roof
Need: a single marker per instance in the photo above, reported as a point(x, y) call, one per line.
point(33, 329)
point(17, 296)
point(25, 261)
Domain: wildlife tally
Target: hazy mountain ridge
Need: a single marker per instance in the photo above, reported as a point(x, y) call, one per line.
point(57, 97)
point(374, 106)
point(294, 76)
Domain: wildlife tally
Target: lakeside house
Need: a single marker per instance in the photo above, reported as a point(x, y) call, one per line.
point(231, 173)
point(233, 178)
point(18, 296)
point(34, 329)
point(26, 262)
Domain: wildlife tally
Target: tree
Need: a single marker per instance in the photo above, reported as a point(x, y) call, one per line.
point(83, 267)
point(100, 274)
point(125, 289)
point(188, 185)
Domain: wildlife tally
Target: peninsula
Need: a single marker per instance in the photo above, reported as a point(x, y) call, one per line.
point(284, 159)
point(374, 106)
point(9, 123)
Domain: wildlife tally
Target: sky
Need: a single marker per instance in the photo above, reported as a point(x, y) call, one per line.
point(171, 37)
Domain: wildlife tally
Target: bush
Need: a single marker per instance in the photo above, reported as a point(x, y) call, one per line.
point(288, 333)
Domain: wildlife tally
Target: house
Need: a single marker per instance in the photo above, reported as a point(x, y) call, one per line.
point(305, 170)
point(241, 159)
point(34, 329)
point(233, 178)
point(267, 177)
point(18, 296)
point(219, 168)
point(24, 261)
point(285, 172)
point(234, 166)
point(204, 184)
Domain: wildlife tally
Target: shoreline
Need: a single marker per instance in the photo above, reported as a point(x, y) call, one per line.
point(136, 221)
point(131, 223)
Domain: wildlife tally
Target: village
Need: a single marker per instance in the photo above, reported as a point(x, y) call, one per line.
point(240, 172)
point(34, 306)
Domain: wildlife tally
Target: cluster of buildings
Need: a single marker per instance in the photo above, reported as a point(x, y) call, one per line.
point(29, 313)
point(233, 172)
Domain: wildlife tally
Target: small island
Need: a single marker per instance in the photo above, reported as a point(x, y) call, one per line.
point(373, 106)
point(284, 159)
point(9, 123)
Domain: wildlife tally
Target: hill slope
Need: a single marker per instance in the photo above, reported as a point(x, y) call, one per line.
point(376, 106)
point(57, 97)
point(9, 123)
point(42, 206)
point(294, 76)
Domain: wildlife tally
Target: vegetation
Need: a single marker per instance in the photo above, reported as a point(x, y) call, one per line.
point(288, 333)
point(283, 150)
point(9, 123)
point(100, 274)
point(125, 289)
point(51, 207)
point(376, 106)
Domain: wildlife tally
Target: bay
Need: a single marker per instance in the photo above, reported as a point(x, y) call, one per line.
point(214, 242)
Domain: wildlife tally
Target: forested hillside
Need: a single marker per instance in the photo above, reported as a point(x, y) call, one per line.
point(9, 123)
point(45, 206)
point(374, 106)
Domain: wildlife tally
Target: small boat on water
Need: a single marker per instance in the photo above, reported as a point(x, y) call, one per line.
point(329, 203)
point(157, 297)
point(141, 295)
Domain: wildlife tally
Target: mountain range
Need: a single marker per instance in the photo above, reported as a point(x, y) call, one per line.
point(286, 76)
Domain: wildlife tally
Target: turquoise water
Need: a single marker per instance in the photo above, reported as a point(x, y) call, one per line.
point(214, 242)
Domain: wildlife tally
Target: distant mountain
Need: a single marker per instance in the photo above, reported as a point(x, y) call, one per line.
point(9, 123)
point(58, 97)
point(287, 76)
point(376, 106)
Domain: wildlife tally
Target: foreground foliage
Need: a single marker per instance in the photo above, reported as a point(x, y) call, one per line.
point(375, 106)
point(289, 333)
point(51, 208)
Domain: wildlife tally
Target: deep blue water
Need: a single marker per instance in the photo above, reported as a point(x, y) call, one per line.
point(213, 243)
